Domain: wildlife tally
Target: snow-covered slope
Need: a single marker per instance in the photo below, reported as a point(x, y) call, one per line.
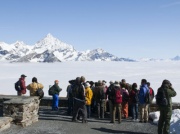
point(51, 49)
point(175, 120)
point(14, 51)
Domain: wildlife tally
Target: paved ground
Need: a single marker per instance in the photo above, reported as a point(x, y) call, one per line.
point(58, 123)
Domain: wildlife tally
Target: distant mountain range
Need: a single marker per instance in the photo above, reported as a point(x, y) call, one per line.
point(51, 49)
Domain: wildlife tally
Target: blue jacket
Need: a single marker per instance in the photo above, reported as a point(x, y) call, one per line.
point(143, 90)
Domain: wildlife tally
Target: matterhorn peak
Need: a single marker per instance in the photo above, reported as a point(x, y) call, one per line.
point(51, 49)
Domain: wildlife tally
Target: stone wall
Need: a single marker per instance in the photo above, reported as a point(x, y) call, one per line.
point(63, 102)
point(23, 110)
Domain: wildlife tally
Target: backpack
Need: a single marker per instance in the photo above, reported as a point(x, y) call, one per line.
point(40, 93)
point(161, 99)
point(118, 96)
point(102, 93)
point(75, 90)
point(147, 98)
point(125, 96)
point(151, 91)
point(18, 85)
point(78, 91)
point(51, 90)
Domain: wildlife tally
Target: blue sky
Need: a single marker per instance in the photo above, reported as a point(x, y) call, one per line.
point(125, 28)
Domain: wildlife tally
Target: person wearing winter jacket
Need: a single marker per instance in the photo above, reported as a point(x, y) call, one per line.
point(125, 99)
point(134, 101)
point(143, 105)
point(125, 95)
point(105, 89)
point(57, 90)
point(110, 94)
point(88, 98)
point(34, 86)
point(22, 85)
point(79, 101)
point(165, 110)
point(99, 97)
point(151, 94)
point(117, 100)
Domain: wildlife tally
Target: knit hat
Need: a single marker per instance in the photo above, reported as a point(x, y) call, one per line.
point(87, 85)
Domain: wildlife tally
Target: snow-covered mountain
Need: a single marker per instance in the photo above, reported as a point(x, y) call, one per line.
point(51, 49)
point(13, 51)
point(177, 58)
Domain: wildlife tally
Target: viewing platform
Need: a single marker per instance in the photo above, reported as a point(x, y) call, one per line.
point(58, 122)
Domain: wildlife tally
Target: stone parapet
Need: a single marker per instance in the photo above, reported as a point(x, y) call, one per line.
point(23, 110)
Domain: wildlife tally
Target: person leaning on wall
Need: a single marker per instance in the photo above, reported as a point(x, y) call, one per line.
point(34, 86)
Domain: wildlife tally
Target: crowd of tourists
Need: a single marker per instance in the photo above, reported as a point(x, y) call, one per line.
point(125, 100)
point(87, 98)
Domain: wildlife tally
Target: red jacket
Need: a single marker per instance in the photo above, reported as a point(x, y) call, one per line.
point(23, 85)
point(132, 96)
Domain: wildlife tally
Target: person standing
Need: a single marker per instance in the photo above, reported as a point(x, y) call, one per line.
point(57, 90)
point(99, 96)
point(165, 107)
point(125, 99)
point(79, 101)
point(134, 101)
point(70, 97)
point(117, 100)
point(109, 93)
point(22, 85)
point(88, 98)
point(34, 86)
point(105, 89)
point(143, 105)
point(151, 94)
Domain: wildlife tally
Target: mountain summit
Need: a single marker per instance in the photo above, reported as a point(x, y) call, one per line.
point(51, 49)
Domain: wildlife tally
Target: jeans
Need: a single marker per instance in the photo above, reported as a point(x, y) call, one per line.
point(55, 104)
point(134, 108)
point(88, 107)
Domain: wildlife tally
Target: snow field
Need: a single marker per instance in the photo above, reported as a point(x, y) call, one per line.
point(154, 72)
